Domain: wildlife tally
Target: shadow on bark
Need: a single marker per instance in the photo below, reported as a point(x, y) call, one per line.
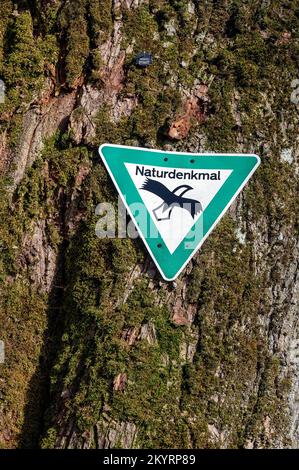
point(38, 395)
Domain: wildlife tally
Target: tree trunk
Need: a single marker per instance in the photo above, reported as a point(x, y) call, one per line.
point(100, 352)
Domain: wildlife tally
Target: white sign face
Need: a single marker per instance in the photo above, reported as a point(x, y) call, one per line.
point(174, 222)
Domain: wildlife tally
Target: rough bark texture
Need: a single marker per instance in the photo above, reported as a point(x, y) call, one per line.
point(100, 352)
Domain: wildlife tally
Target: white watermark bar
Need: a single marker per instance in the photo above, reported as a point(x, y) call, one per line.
point(2, 352)
point(294, 351)
point(295, 93)
point(2, 92)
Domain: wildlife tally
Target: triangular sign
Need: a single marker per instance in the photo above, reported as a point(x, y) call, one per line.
point(176, 199)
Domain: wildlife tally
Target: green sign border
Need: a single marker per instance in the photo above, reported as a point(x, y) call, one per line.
point(169, 264)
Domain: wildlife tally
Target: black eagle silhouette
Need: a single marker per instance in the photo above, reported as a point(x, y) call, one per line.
point(171, 199)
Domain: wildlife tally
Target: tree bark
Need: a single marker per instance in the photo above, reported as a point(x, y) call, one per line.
point(100, 352)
